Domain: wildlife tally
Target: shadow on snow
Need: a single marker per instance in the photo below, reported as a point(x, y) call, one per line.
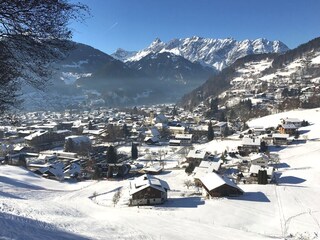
point(186, 202)
point(9, 195)
point(252, 197)
point(290, 180)
point(18, 227)
point(19, 184)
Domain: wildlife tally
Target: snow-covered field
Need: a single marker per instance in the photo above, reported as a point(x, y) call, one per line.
point(35, 208)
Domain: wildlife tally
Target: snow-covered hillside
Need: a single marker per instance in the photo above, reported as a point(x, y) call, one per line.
point(216, 53)
point(275, 81)
point(32, 207)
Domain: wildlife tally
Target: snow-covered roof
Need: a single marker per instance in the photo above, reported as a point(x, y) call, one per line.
point(200, 154)
point(73, 169)
point(258, 128)
point(289, 126)
point(78, 139)
point(35, 134)
point(153, 132)
point(255, 169)
point(278, 135)
point(200, 128)
point(173, 128)
point(292, 120)
point(206, 167)
point(153, 169)
point(93, 132)
point(146, 181)
point(212, 181)
point(56, 169)
point(210, 165)
point(250, 141)
point(153, 139)
point(220, 124)
point(183, 136)
point(18, 148)
point(257, 156)
point(199, 172)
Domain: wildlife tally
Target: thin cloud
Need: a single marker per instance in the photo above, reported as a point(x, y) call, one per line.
point(113, 26)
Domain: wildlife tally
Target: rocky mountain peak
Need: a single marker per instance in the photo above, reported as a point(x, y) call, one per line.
point(216, 53)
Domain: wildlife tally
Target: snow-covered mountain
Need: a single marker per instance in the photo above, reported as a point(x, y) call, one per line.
point(217, 53)
point(282, 81)
point(168, 67)
point(88, 76)
point(181, 65)
point(122, 54)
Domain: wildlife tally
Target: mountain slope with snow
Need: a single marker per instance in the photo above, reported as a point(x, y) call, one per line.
point(122, 54)
point(281, 76)
point(216, 53)
point(168, 67)
point(62, 92)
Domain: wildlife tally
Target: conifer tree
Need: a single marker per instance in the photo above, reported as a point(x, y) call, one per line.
point(111, 155)
point(69, 145)
point(210, 132)
point(134, 151)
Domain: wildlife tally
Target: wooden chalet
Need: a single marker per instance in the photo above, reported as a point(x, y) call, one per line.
point(295, 121)
point(280, 139)
point(174, 142)
point(249, 145)
point(259, 159)
point(185, 139)
point(219, 128)
point(204, 168)
point(288, 129)
point(217, 186)
point(255, 169)
point(154, 169)
point(196, 156)
point(148, 190)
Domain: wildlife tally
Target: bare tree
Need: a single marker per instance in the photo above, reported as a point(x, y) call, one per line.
point(188, 183)
point(116, 197)
point(33, 35)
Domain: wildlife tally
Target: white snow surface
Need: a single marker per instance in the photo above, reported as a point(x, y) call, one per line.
point(316, 60)
point(32, 207)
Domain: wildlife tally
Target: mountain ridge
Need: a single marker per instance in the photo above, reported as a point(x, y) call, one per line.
point(216, 53)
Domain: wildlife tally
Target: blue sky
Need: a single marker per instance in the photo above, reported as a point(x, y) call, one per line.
point(134, 24)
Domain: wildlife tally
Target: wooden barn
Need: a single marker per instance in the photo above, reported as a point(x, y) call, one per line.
point(148, 190)
point(280, 139)
point(217, 186)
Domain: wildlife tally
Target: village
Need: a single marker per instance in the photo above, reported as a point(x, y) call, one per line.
point(141, 147)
